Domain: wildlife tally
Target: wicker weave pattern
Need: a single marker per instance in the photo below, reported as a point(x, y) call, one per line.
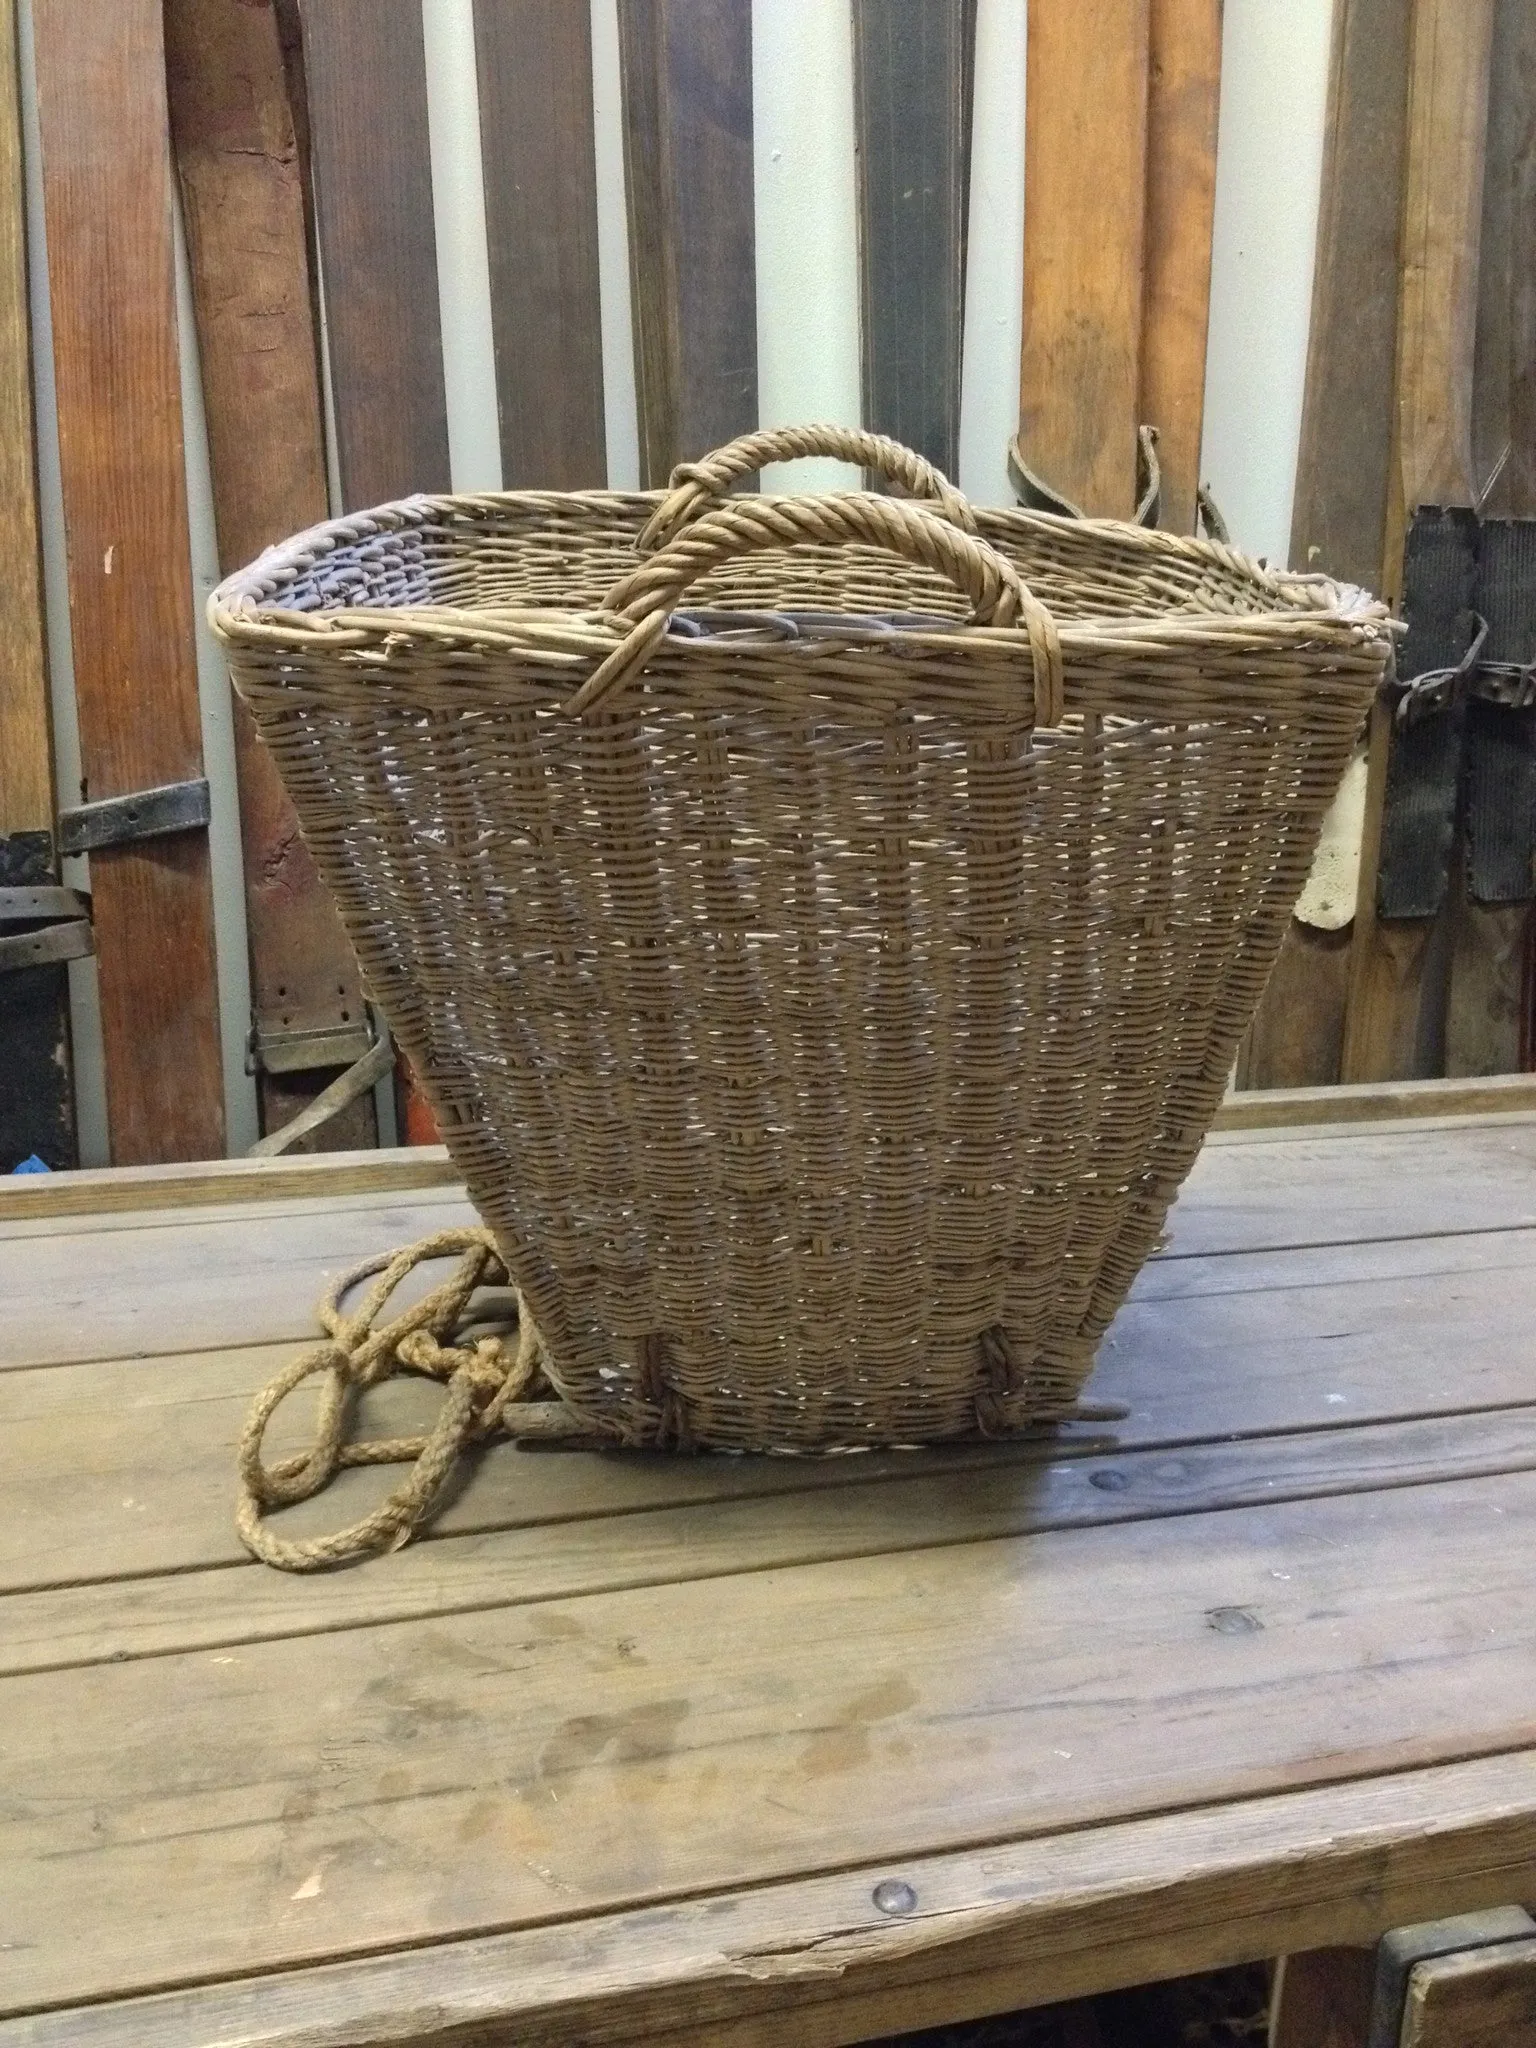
point(823, 1037)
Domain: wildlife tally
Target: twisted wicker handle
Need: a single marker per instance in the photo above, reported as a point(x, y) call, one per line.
point(649, 594)
point(698, 485)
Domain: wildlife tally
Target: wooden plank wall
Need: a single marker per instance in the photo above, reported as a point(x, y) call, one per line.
point(912, 71)
point(36, 1104)
point(687, 72)
point(243, 202)
point(102, 116)
point(534, 59)
point(1339, 516)
point(1085, 147)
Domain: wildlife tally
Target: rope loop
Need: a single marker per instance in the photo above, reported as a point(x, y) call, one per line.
point(482, 1379)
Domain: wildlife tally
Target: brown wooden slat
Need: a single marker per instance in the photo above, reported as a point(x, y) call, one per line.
point(687, 69)
point(1488, 1022)
point(912, 71)
point(1433, 459)
point(1479, 1998)
point(1322, 1999)
point(102, 115)
point(36, 1101)
point(366, 73)
point(1183, 95)
point(242, 188)
point(534, 59)
point(817, 1964)
point(1085, 137)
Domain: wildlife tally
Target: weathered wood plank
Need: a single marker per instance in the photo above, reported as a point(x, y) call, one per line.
point(102, 116)
point(1479, 1998)
point(242, 190)
point(687, 70)
point(1183, 96)
point(409, 1783)
point(1297, 1035)
point(366, 71)
point(1085, 147)
point(912, 69)
point(534, 59)
point(36, 1100)
point(1322, 1999)
point(1008, 1925)
point(494, 1556)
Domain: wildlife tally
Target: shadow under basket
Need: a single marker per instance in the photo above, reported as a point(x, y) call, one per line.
point(823, 925)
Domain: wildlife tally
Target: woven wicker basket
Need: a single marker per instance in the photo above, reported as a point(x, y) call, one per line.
point(823, 925)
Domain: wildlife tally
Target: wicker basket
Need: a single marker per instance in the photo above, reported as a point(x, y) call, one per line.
point(823, 925)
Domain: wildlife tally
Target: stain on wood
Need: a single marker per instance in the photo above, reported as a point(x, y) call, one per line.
point(1085, 148)
point(534, 59)
point(912, 72)
point(102, 116)
point(242, 180)
point(687, 72)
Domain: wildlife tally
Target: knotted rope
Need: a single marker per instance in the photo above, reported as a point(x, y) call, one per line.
point(483, 1379)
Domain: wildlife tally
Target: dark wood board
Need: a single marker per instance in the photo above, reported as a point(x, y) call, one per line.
point(1488, 1021)
point(102, 116)
point(242, 176)
point(370, 153)
point(687, 71)
point(1085, 136)
point(366, 73)
point(912, 70)
point(1183, 97)
point(534, 59)
point(36, 1100)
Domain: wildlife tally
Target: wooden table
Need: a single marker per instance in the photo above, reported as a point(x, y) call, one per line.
point(627, 1750)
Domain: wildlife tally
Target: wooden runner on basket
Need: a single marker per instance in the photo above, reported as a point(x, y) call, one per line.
point(1339, 517)
point(243, 200)
point(102, 115)
point(36, 1105)
point(534, 61)
point(912, 69)
point(1388, 1030)
point(687, 69)
point(365, 72)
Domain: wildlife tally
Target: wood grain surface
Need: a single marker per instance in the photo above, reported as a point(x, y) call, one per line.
point(106, 169)
point(534, 59)
point(243, 202)
point(36, 1099)
point(687, 71)
point(1085, 147)
point(1479, 1998)
point(1183, 97)
point(912, 71)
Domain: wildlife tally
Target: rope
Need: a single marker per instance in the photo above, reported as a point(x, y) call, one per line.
point(482, 1378)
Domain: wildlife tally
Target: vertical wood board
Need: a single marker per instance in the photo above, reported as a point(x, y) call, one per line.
point(912, 66)
point(365, 66)
point(1183, 98)
point(106, 182)
point(1085, 141)
point(242, 187)
point(687, 73)
point(534, 61)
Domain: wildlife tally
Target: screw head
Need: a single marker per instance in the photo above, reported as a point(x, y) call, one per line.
point(894, 1895)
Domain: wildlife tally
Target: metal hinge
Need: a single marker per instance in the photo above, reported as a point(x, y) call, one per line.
point(148, 814)
point(269, 1051)
point(60, 921)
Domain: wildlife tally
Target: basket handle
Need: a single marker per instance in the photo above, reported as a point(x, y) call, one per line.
point(647, 596)
point(695, 486)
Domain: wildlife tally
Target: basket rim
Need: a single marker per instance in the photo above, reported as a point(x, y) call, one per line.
point(246, 605)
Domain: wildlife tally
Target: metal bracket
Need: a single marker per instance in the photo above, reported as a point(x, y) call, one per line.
point(296, 1052)
point(62, 921)
point(149, 814)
